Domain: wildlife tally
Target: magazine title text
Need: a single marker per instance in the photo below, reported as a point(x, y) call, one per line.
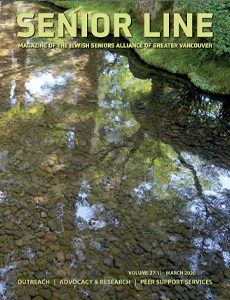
point(100, 25)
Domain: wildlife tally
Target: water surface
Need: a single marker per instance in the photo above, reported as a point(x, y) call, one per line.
point(107, 166)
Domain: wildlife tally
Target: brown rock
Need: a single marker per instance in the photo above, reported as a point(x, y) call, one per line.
point(31, 291)
point(50, 237)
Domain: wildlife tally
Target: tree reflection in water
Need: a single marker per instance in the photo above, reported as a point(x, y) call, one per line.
point(104, 171)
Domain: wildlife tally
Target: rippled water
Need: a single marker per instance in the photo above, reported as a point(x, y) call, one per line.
point(107, 166)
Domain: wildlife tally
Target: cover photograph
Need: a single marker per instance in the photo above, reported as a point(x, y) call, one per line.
point(114, 150)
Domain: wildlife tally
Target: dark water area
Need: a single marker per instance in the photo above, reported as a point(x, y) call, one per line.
point(106, 167)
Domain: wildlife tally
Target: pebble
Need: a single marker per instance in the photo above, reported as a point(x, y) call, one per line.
point(108, 262)
point(50, 237)
point(6, 213)
point(31, 291)
point(12, 278)
point(60, 256)
point(146, 246)
point(118, 262)
point(39, 275)
point(214, 278)
point(25, 297)
point(35, 247)
point(119, 289)
point(45, 293)
point(57, 168)
point(179, 289)
point(54, 247)
point(38, 298)
point(138, 250)
point(138, 287)
point(43, 214)
point(227, 273)
point(19, 243)
point(54, 225)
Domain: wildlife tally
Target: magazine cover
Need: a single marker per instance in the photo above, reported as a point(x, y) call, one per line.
point(114, 150)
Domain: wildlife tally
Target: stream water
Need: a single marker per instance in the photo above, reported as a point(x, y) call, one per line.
point(108, 166)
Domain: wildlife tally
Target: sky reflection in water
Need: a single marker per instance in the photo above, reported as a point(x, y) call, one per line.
point(92, 155)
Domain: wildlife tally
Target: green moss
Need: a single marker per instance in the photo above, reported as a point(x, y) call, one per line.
point(221, 21)
point(202, 67)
